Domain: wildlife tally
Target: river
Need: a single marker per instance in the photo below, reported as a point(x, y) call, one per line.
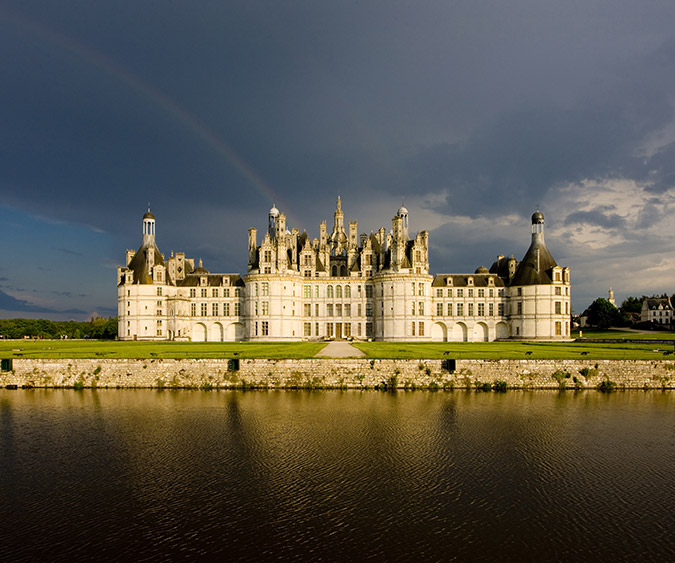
point(151, 475)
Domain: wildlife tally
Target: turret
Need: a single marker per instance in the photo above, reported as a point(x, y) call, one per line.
point(272, 221)
point(148, 229)
point(403, 214)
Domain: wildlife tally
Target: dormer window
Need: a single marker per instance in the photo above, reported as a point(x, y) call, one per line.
point(470, 281)
point(202, 280)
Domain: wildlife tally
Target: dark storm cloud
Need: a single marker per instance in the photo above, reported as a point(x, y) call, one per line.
point(9, 303)
point(210, 111)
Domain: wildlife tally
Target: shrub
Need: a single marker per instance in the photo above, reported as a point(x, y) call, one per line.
point(606, 386)
point(500, 386)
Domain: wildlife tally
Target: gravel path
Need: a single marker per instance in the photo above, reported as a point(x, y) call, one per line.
point(339, 349)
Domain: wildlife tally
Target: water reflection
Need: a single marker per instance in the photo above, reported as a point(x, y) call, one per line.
point(336, 475)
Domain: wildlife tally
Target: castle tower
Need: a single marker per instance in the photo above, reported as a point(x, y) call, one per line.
point(148, 229)
point(272, 221)
point(403, 214)
point(610, 298)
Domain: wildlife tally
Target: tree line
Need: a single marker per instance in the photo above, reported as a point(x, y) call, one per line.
point(98, 328)
point(602, 314)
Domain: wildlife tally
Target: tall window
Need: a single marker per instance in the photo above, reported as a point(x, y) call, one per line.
point(470, 292)
point(308, 329)
point(203, 309)
point(413, 308)
point(214, 292)
point(338, 310)
point(265, 288)
point(421, 327)
point(348, 291)
point(329, 291)
point(226, 309)
point(265, 328)
point(226, 292)
point(460, 309)
point(348, 310)
point(159, 291)
point(193, 309)
point(265, 307)
point(193, 292)
point(481, 293)
point(439, 309)
point(460, 292)
point(204, 291)
point(369, 309)
point(558, 307)
point(214, 309)
point(308, 310)
point(491, 309)
point(237, 309)
point(237, 292)
point(481, 309)
point(369, 291)
point(421, 308)
point(308, 292)
point(449, 309)
point(338, 292)
point(329, 310)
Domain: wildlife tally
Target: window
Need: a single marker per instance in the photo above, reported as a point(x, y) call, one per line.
point(204, 291)
point(439, 309)
point(338, 310)
point(265, 287)
point(329, 330)
point(348, 310)
point(439, 293)
point(193, 309)
point(520, 291)
point(308, 310)
point(360, 311)
point(421, 308)
point(316, 309)
point(203, 309)
point(460, 292)
point(348, 291)
point(193, 292)
point(450, 292)
point(159, 291)
point(214, 292)
point(308, 329)
point(471, 309)
point(237, 292)
point(329, 310)
point(500, 309)
point(265, 307)
point(450, 309)
point(520, 307)
point(265, 325)
point(369, 309)
point(237, 309)
point(500, 293)
point(470, 292)
point(558, 307)
point(491, 309)
point(413, 309)
point(492, 292)
point(226, 292)
point(338, 292)
point(413, 328)
point(348, 329)
point(329, 291)
point(308, 292)
point(413, 288)
point(558, 290)
point(460, 309)
point(316, 291)
point(159, 312)
point(420, 288)
point(316, 329)
point(421, 329)
point(369, 291)
point(226, 309)
point(557, 276)
point(481, 309)
point(267, 256)
point(481, 293)
point(214, 309)
point(558, 328)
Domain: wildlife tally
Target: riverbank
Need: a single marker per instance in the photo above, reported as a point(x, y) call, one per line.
point(338, 373)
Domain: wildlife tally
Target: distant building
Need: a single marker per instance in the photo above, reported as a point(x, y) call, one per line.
point(341, 285)
point(659, 311)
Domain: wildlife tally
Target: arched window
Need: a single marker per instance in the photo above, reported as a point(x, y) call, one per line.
point(338, 292)
point(348, 291)
point(343, 271)
point(334, 271)
point(329, 291)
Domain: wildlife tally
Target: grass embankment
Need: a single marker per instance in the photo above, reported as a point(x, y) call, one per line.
point(143, 350)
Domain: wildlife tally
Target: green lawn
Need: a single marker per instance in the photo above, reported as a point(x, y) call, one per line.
point(113, 349)
point(618, 333)
point(516, 350)
point(391, 350)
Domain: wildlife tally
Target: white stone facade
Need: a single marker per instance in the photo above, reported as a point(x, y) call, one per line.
point(341, 285)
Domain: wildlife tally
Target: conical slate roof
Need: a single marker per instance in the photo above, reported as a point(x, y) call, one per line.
point(535, 267)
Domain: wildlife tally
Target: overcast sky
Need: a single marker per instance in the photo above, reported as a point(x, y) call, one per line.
point(473, 111)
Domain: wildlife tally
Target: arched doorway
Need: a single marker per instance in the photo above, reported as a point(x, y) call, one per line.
point(216, 333)
point(459, 333)
point(480, 332)
point(199, 333)
point(502, 330)
point(439, 332)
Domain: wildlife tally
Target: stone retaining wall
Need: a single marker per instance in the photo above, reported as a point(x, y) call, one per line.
point(339, 373)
